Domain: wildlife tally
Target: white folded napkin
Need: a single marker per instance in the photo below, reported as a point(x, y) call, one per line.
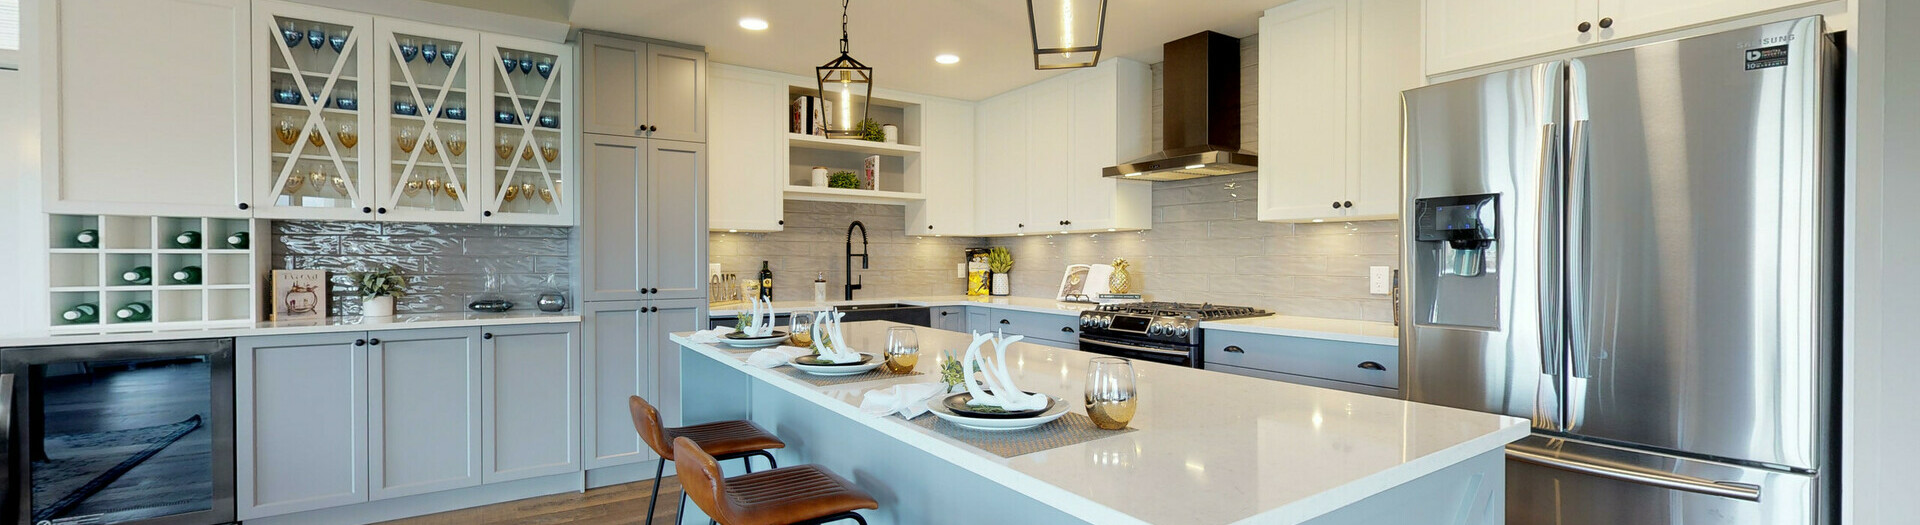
point(776, 356)
point(711, 336)
point(909, 400)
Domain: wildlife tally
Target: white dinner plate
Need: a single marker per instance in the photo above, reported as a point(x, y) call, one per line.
point(873, 362)
point(756, 342)
point(939, 408)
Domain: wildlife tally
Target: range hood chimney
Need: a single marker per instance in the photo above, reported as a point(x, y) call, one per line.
point(1201, 79)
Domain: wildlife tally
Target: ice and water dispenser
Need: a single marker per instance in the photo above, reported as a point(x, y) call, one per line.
point(1456, 260)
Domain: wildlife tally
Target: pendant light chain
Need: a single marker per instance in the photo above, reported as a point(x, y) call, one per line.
point(843, 25)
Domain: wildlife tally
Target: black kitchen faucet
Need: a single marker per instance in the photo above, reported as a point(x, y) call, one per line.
point(852, 284)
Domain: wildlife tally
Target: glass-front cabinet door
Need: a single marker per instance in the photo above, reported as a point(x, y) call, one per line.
point(425, 169)
point(533, 151)
point(312, 91)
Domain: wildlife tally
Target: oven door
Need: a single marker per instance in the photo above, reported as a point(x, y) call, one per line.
point(119, 433)
point(1171, 355)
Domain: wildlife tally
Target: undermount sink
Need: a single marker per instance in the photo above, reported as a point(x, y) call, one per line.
point(871, 306)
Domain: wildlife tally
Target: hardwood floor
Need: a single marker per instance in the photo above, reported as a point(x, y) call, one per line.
point(621, 504)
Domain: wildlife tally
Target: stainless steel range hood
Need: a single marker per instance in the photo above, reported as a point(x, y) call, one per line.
point(1202, 121)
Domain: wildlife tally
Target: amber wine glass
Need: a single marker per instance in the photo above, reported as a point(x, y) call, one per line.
point(407, 139)
point(349, 134)
point(903, 349)
point(549, 151)
point(1112, 395)
point(527, 154)
point(433, 146)
point(456, 143)
point(504, 148)
point(286, 131)
point(318, 138)
point(800, 328)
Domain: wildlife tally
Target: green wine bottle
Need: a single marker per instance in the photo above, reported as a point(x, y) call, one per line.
point(87, 238)
point(138, 275)
point(238, 240)
point(187, 275)
point(187, 239)
point(81, 314)
point(134, 311)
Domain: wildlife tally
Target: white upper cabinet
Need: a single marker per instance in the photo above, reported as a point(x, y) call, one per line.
point(1464, 34)
point(946, 171)
point(1041, 149)
point(525, 175)
point(425, 75)
point(315, 105)
point(748, 169)
point(156, 129)
point(1331, 73)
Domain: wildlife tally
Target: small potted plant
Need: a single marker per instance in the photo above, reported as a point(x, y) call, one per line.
point(378, 288)
point(1000, 263)
point(843, 179)
point(873, 131)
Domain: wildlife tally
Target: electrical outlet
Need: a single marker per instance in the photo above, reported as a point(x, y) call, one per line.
point(1379, 280)
point(960, 271)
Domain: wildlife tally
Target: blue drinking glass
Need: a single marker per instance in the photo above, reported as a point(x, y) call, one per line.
point(549, 121)
point(447, 55)
point(286, 95)
point(316, 38)
point(431, 51)
point(545, 68)
point(405, 108)
point(526, 65)
point(454, 112)
point(292, 36)
point(505, 117)
point(507, 61)
point(339, 42)
point(408, 50)
point(346, 100)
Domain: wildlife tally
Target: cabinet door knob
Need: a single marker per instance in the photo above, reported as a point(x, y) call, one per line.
point(366, 209)
point(1370, 365)
point(783, 222)
point(488, 335)
point(243, 205)
point(1021, 225)
point(643, 291)
point(653, 290)
point(1584, 27)
point(1067, 329)
point(944, 314)
point(651, 129)
point(359, 342)
point(1348, 204)
point(486, 214)
point(1235, 350)
point(1004, 321)
point(1606, 22)
point(1336, 205)
point(375, 341)
point(382, 210)
point(929, 226)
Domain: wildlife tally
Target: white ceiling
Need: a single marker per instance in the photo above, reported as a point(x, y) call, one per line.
point(899, 38)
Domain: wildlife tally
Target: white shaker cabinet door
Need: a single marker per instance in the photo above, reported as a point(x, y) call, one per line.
point(1305, 93)
point(946, 171)
point(1631, 18)
point(423, 403)
point(749, 162)
point(1049, 142)
point(530, 400)
point(160, 128)
point(1000, 196)
point(301, 422)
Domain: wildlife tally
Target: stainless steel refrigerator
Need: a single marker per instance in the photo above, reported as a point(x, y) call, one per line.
point(1636, 250)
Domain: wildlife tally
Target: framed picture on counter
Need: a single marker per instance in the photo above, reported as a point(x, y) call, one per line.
point(299, 294)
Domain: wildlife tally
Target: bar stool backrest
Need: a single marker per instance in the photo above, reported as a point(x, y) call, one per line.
point(646, 421)
point(701, 478)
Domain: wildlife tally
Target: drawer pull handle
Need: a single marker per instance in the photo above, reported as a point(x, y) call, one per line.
point(1004, 321)
point(1370, 365)
point(1066, 329)
point(1235, 350)
point(374, 342)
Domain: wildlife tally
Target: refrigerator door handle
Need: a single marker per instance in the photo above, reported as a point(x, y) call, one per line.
point(1725, 489)
point(1547, 412)
point(1575, 226)
point(6, 445)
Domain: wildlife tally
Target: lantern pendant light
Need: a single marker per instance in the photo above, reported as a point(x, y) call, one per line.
point(1066, 33)
point(844, 84)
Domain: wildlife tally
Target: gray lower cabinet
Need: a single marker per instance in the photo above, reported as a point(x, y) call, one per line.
point(951, 318)
point(301, 422)
point(530, 408)
point(423, 415)
point(628, 354)
point(1055, 330)
point(645, 231)
point(1354, 367)
point(330, 420)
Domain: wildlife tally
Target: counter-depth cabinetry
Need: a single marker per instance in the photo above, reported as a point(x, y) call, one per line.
point(159, 128)
point(1330, 80)
point(1463, 34)
point(628, 354)
point(336, 419)
point(1041, 148)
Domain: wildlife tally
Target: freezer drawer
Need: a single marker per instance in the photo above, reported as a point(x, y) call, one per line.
point(1560, 482)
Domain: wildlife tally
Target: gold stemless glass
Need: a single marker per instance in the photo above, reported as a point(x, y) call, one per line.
point(1111, 393)
point(903, 349)
point(800, 329)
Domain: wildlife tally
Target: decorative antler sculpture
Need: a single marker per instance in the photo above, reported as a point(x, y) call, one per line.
point(828, 341)
point(759, 318)
point(1000, 390)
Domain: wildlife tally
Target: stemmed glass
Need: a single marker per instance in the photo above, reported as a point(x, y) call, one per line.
point(294, 182)
point(549, 151)
point(456, 143)
point(526, 64)
point(431, 51)
point(447, 55)
point(903, 349)
point(407, 138)
point(291, 35)
point(800, 329)
point(318, 138)
point(545, 67)
point(339, 42)
point(286, 130)
point(505, 147)
point(1112, 395)
point(408, 50)
point(507, 61)
point(348, 133)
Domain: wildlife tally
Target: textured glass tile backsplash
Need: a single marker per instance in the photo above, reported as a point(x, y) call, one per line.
point(446, 265)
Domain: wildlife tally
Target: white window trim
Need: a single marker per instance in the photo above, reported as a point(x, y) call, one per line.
point(11, 59)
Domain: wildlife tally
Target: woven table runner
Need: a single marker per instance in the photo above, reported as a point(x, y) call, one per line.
point(873, 375)
point(1070, 429)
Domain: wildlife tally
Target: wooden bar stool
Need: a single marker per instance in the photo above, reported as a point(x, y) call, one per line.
point(805, 494)
point(721, 440)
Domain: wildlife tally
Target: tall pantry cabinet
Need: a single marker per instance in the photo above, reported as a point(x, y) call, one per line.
point(643, 234)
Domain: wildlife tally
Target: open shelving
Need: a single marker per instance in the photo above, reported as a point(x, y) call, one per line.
point(898, 180)
point(80, 274)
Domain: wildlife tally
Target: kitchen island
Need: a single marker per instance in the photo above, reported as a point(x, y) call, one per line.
point(1209, 447)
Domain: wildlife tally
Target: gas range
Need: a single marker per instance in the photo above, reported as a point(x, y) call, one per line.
point(1159, 331)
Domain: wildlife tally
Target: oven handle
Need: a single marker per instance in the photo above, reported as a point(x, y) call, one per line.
point(1124, 346)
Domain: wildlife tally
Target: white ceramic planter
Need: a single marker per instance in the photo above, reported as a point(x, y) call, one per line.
point(381, 306)
point(1002, 284)
point(819, 177)
point(892, 132)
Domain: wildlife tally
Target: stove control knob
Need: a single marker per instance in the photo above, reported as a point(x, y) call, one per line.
point(1089, 321)
point(1106, 321)
point(1154, 329)
point(1182, 331)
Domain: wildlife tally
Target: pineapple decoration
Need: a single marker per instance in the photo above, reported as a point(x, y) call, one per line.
point(1122, 279)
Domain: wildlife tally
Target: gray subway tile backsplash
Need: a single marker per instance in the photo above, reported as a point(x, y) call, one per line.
point(446, 265)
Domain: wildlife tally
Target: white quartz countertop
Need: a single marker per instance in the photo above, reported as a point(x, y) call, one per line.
point(1365, 332)
point(304, 326)
point(1211, 447)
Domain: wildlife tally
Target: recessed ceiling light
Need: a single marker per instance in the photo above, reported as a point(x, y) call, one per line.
point(947, 59)
point(753, 24)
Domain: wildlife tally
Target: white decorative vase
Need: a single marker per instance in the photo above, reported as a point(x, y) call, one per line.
point(819, 177)
point(1002, 284)
point(892, 134)
point(381, 306)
